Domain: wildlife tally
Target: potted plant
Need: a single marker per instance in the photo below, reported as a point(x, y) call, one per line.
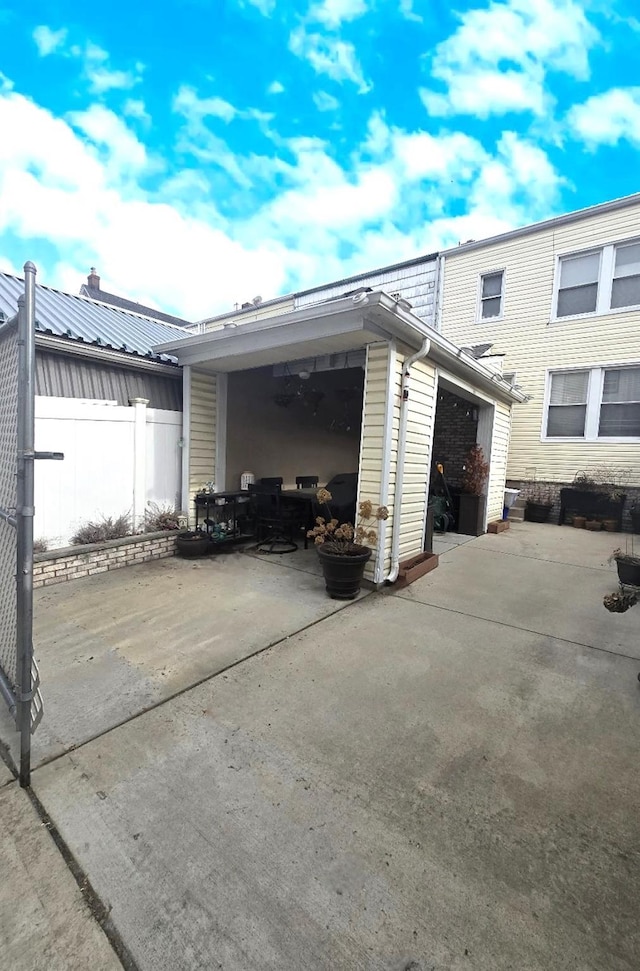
point(192, 543)
point(473, 501)
point(628, 564)
point(595, 495)
point(342, 548)
point(539, 505)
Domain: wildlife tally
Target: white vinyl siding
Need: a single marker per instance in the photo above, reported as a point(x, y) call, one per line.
point(420, 417)
point(372, 441)
point(498, 462)
point(491, 295)
point(599, 403)
point(532, 347)
point(202, 432)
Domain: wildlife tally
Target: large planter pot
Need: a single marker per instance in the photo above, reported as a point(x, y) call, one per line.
point(343, 574)
point(471, 514)
point(628, 570)
point(537, 512)
point(192, 544)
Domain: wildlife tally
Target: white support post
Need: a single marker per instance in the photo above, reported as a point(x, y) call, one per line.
point(139, 459)
point(185, 441)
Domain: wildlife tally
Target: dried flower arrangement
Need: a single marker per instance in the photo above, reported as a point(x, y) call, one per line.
point(476, 472)
point(345, 539)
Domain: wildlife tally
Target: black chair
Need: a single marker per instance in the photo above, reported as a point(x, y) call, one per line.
point(275, 524)
point(306, 481)
point(344, 495)
point(273, 481)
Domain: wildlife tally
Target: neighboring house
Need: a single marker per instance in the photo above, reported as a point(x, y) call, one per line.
point(560, 300)
point(92, 362)
point(268, 396)
point(92, 289)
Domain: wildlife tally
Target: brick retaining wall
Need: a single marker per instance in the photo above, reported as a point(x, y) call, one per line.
point(74, 562)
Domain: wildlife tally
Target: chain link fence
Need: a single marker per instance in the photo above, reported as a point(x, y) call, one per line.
point(9, 676)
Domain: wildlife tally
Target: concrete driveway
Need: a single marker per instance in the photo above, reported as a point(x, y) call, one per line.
point(444, 777)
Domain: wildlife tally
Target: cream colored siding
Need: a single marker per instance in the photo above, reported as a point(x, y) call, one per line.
point(533, 344)
point(202, 432)
point(498, 463)
point(421, 405)
point(240, 317)
point(374, 419)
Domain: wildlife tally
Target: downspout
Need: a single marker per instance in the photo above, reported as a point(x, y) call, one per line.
point(402, 448)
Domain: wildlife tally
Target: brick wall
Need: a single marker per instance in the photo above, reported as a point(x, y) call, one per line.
point(74, 562)
point(455, 432)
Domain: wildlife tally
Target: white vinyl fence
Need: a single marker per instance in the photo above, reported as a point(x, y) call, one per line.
point(116, 460)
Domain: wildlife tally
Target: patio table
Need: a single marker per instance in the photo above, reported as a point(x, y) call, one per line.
point(305, 498)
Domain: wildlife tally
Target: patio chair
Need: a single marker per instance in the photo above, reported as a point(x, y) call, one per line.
point(275, 523)
point(275, 480)
point(344, 494)
point(306, 481)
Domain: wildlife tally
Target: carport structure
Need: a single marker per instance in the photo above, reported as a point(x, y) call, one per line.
point(403, 361)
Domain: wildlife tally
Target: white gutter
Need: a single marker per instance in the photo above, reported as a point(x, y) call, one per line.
point(402, 448)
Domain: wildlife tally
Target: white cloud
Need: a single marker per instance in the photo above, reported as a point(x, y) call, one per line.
point(135, 108)
point(266, 7)
point(332, 13)
point(275, 88)
point(407, 11)
point(81, 185)
point(498, 58)
point(48, 40)
point(187, 102)
point(605, 119)
point(326, 55)
point(100, 75)
point(324, 101)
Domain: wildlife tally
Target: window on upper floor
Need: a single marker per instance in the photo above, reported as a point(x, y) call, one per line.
point(491, 295)
point(598, 281)
point(594, 403)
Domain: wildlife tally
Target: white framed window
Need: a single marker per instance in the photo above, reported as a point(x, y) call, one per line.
point(593, 403)
point(598, 281)
point(491, 295)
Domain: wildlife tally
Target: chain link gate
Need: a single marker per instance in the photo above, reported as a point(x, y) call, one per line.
point(19, 679)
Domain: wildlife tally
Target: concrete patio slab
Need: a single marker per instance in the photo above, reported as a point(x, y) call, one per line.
point(399, 787)
point(112, 645)
point(45, 923)
point(543, 579)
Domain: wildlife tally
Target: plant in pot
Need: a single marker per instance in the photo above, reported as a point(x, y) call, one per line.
point(473, 501)
point(539, 505)
point(192, 543)
point(342, 547)
point(628, 565)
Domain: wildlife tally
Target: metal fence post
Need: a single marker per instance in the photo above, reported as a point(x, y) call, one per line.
point(24, 517)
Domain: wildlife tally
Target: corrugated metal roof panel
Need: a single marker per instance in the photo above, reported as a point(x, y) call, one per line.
point(82, 319)
point(62, 376)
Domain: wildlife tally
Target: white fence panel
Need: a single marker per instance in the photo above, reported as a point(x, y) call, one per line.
point(98, 474)
point(164, 457)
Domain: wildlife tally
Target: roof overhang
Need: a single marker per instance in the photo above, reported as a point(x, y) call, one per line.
point(337, 325)
point(71, 347)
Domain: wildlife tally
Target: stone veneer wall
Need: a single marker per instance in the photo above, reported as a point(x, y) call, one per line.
point(73, 562)
point(529, 487)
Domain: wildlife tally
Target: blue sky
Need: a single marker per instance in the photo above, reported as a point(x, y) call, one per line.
point(201, 153)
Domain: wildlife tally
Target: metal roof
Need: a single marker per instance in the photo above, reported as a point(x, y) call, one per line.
point(90, 322)
point(102, 296)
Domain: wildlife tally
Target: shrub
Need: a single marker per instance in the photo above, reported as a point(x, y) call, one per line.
point(105, 529)
point(476, 472)
point(40, 546)
point(158, 517)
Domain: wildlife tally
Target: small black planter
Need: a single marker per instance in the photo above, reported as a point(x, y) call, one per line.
point(343, 574)
point(628, 570)
point(635, 520)
point(537, 512)
point(192, 544)
point(471, 514)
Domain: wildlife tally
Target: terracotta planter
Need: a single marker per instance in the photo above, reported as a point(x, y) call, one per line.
point(579, 522)
point(594, 525)
point(610, 525)
point(415, 567)
point(343, 574)
point(498, 526)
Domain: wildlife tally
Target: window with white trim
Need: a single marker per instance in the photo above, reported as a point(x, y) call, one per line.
point(598, 281)
point(594, 403)
point(491, 295)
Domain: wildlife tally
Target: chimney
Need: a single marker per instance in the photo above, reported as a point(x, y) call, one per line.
point(93, 279)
